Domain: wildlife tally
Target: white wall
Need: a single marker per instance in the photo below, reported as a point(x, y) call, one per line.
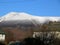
point(2, 37)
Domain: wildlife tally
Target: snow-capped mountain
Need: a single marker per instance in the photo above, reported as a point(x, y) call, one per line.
point(24, 16)
point(15, 16)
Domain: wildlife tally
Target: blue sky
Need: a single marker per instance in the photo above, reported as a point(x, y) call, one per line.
point(34, 7)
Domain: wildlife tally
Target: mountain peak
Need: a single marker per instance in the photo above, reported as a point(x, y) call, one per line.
point(16, 16)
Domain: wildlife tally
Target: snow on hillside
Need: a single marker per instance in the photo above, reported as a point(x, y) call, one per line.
point(15, 16)
point(24, 16)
